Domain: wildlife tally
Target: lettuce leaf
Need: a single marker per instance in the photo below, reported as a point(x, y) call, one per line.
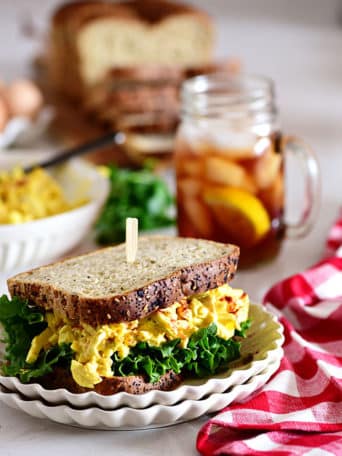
point(58, 354)
point(205, 354)
point(22, 323)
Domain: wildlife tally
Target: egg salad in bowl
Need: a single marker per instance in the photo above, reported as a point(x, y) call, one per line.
point(45, 214)
point(29, 196)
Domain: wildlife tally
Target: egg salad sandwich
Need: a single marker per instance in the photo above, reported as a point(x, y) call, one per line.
point(98, 323)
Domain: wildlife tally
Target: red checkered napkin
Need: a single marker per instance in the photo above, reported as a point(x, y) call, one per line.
point(299, 411)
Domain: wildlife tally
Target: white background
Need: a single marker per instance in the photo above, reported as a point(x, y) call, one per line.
point(299, 45)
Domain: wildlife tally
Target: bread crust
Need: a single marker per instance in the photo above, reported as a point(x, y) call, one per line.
point(81, 11)
point(134, 304)
point(137, 384)
point(149, 11)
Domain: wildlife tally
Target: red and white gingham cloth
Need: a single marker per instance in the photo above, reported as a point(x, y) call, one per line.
point(299, 411)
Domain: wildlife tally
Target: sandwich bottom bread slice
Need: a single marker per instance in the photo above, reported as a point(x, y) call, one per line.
point(99, 323)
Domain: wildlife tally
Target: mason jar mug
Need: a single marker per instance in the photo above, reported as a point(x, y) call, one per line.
point(230, 157)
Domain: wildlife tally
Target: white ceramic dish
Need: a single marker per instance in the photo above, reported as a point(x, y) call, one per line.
point(126, 418)
point(261, 348)
point(22, 131)
point(41, 241)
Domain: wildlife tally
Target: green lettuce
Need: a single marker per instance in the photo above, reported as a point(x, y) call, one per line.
point(21, 323)
point(205, 354)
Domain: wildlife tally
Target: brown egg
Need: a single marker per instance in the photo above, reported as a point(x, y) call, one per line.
point(4, 114)
point(23, 98)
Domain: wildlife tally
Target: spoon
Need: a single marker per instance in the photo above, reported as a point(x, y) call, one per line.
point(114, 137)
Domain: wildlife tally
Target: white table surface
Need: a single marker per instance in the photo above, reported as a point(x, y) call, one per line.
point(305, 61)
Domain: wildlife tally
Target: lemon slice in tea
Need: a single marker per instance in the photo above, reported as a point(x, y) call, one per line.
point(240, 213)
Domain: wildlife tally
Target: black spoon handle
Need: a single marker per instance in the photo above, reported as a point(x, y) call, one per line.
point(115, 137)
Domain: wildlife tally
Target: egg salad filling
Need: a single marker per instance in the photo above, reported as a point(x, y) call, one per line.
point(178, 332)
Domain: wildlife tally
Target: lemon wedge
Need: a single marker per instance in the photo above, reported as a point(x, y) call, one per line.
point(239, 213)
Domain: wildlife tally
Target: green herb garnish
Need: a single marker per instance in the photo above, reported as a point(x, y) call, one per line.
point(140, 194)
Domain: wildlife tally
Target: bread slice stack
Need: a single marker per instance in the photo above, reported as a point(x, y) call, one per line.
point(124, 62)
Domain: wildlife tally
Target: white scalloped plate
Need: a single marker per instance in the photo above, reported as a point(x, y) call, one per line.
point(126, 418)
point(263, 344)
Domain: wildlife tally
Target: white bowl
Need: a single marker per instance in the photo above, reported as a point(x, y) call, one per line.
point(41, 241)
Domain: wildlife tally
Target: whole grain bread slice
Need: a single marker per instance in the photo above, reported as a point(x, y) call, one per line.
point(102, 288)
point(134, 384)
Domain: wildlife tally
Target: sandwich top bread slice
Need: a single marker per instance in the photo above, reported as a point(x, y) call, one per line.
point(96, 322)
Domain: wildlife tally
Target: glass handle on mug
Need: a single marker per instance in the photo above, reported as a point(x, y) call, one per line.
point(300, 151)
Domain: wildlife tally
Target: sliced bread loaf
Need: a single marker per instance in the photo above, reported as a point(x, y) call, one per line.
point(101, 287)
point(88, 38)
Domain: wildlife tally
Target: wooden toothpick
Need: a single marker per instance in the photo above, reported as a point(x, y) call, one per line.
point(131, 239)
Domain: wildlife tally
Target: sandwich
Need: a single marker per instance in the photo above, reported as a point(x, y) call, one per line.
point(98, 323)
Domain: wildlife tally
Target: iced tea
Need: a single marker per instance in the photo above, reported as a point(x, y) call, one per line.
point(232, 193)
